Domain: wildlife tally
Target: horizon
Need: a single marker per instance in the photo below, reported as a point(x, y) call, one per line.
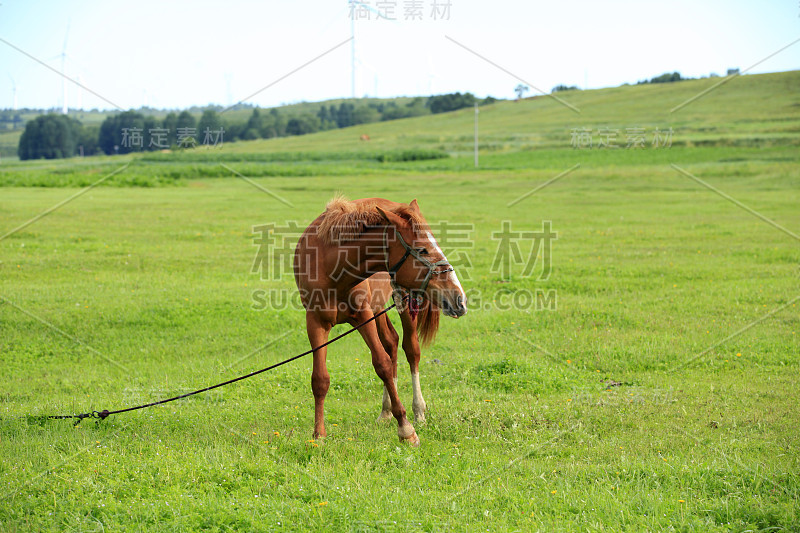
point(246, 105)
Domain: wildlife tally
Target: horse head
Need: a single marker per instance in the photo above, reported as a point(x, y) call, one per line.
point(417, 264)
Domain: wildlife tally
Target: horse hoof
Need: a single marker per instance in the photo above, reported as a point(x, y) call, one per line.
point(385, 416)
point(419, 418)
point(412, 439)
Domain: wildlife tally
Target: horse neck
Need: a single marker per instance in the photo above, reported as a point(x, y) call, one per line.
point(365, 256)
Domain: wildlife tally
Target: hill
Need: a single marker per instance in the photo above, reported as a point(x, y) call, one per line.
point(753, 111)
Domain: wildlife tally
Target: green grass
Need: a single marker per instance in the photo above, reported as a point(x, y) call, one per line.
point(524, 430)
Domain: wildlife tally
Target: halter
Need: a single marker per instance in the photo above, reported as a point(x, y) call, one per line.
point(416, 255)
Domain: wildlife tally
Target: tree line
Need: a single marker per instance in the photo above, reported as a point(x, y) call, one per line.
point(54, 136)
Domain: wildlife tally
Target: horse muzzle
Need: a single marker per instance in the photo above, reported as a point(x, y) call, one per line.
point(454, 307)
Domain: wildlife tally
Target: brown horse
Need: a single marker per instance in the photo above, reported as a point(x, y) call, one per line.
point(348, 263)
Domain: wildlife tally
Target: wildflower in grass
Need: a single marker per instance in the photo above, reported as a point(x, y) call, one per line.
point(681, 501)
point(553, 492)
point(323, 503)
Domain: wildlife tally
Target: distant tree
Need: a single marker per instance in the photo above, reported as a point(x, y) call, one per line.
point(664, 78)
point(322, 114)
point(126, 132)
point(273, 125)
point(255, 122)
point(250, 134)
point(520, 90)
point(559, 88)
point(170, 123)
point(233, 130)
point(302, 124)
point(365, 115)
point(88, 140)
point(209, 124)
point(50, 137)
point(344, 115)
point(450, 102)
point(392, 111)
point(733, 71)
point(186, 120)
point(415, 108)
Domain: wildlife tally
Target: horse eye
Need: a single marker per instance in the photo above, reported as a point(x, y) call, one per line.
point(422, 251)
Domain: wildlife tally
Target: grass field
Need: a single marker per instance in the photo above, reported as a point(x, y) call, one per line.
point(660, 394)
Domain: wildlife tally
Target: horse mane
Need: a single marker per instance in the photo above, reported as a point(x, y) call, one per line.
point(427, 322)
point(345, 220)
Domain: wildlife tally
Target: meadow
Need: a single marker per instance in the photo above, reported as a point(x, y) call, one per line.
point(659, 393)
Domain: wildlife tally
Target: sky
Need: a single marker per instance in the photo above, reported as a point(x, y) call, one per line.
point(270, 53)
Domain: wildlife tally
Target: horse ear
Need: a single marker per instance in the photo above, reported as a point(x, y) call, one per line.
point(390, 217)
point(414, 205)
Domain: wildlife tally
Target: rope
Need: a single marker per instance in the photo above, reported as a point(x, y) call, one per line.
point(101, 415)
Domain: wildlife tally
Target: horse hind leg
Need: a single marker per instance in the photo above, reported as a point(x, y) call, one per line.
point(389, 341)
point(320, 379)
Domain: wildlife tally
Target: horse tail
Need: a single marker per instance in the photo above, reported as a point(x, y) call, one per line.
point(427, 322)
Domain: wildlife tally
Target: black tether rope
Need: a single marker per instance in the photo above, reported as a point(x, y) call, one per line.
point(101, 415)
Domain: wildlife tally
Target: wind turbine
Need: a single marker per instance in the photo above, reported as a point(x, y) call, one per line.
point(353, 4)
point(64, 108)
point(14, 90)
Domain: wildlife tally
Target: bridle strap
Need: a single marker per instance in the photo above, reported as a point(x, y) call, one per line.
point(416, 255)
point(392, 270)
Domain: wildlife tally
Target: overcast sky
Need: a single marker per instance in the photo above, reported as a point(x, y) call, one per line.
point(179, 54)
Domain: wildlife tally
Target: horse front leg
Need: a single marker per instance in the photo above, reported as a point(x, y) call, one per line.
point(389, 340)
point(383, 367)
point(318, 333)
point(413, 354)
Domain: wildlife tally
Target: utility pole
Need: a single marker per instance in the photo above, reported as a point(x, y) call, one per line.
point(352, 55)
point(476, 134)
